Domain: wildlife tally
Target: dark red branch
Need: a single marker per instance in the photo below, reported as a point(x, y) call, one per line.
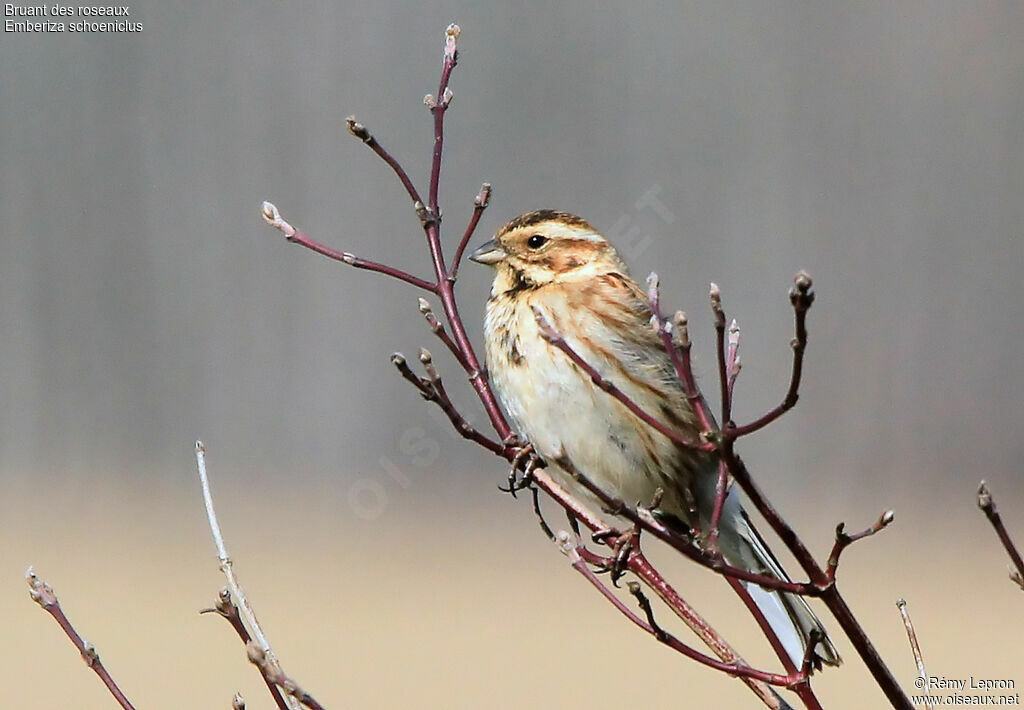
point(721, 491)
point(844, 540)
point(437, 327)
point(646, 521)
point(227, 608)
point(671, 641)
point(556, 339)
point(273, 217)
point(432, 390)
point(988, 506)
point(438, 108)
point(43, 595)
point(801, 296)
point(483, 198)
point(723, 374)
point(677, 345)
point(802, 687)
point(359, 131)
point(762, 622)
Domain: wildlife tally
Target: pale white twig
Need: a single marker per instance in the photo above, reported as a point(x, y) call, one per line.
point(226, 566)
point(901, 604)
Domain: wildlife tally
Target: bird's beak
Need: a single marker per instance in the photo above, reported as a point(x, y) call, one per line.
point(489, 253)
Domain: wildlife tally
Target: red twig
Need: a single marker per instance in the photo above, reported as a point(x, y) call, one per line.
point(438, 107)
point(988, 506)
point(762, 621)
point(843, 540)
point(668, 639)
point(801, 296)
point(437, 327)
point(359, 131)
point(227, 608)
point(649, 523)
point(43, 595)
point(556, 339)
point(715, 295)
point(274, 219)
point(677, 345)
point(483, 198)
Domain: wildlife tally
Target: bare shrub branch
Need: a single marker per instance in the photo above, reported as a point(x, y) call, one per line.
point(43, 595)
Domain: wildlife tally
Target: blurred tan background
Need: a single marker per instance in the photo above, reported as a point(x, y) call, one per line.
point(145, 304)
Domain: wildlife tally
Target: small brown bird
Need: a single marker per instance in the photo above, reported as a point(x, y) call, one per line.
point(560, 266)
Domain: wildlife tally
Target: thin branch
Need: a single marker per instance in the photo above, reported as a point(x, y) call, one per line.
point(763, 623)
point(433, 390)
point(437, 327)
point(577, 562)
point(677, 345)
point(843, 540)
point(274, 219)
point(269, 668)
point(802, 297)
point(227, 566)
point(641, 567)
point(715, 295)
point(555, 338)
point(733, 364)
point(915, 647)
point(480, 203)
point(988, 506)
point(359, 131)
point(43, 595)
point(227, 608)
point(649, 523)
point(721, 492)
point(438, 107)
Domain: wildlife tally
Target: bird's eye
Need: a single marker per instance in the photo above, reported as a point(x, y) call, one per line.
point(536, 241)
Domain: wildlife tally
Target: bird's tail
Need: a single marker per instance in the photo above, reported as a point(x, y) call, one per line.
point(788, 614)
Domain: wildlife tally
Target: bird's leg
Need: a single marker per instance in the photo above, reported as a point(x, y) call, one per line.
point(515, 481)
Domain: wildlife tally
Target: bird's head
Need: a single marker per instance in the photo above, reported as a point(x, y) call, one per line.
point(544, 247)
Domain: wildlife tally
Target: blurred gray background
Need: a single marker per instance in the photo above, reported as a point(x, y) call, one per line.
point(144, 303)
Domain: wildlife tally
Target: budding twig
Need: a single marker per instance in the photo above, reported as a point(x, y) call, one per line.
point(227, 566)
point(843, 540)
point(715, 295)
point(988, 506)
point(273, 218)
point(227, 608)
point(359, 131)
point(432, 390)
point(801, 297)
point(43, 595)
point(273, 673)
point(483, 198)
point(437, 327)
point(677, 346)
point(733, 364)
